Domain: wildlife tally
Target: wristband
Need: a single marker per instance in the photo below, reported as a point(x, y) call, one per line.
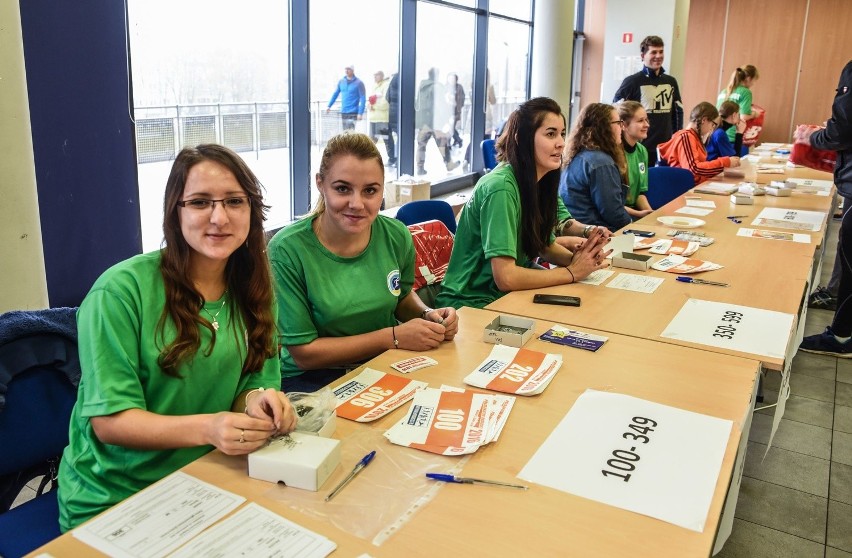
point(586, 230)
point(257, 390)
point(573, 280)
point(395, 340)
point(423, 314)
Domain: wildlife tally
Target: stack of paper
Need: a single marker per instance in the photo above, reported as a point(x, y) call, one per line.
point(515, 370)
point(373, 394)
point(669, 246)
point(720, 188)
point(680, 264)
point(690, 210)
point(451, 422)
point(767, 168)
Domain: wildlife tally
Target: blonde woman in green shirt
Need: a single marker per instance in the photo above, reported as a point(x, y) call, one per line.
point(739, 91)
point(634, 129)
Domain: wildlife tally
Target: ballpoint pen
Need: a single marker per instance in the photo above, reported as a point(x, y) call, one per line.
point(736, 218)
point(683, 279)
point(358, 468)
point(469, 480)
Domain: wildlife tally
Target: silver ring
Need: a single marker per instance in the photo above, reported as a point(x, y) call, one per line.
point(242, 436)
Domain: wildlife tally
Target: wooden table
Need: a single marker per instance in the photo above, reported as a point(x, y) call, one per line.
point(486, 521)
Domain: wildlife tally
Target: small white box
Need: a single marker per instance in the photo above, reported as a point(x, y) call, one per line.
point(742, 199)
point(509, 330)
point(782, 184)
point(631, 260)
point(299, 460)
point(779, 192)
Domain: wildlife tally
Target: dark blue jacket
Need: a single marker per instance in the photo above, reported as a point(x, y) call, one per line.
point(837, 134)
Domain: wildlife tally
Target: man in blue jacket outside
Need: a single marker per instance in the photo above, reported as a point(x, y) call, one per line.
point(353, 100)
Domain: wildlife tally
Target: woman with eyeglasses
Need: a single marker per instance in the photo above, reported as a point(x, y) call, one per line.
point(343, 275)
point(593, 180)
point(634, 129)
point(509, 220)
point(177, 346)
point(686, 148)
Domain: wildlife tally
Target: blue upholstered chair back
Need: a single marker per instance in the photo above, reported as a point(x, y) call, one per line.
point(419, 211)
point(489, 154)
point(667, 183)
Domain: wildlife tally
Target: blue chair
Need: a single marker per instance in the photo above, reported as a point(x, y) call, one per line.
point(667, 183)
point(36, 398)
point(419, 211)
point(489, 154)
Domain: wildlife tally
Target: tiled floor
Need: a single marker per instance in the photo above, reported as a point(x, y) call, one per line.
point(797, 501)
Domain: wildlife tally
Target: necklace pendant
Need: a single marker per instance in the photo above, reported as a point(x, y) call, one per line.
point(215, 324)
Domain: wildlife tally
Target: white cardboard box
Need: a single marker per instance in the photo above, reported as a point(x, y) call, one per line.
point(499, 331)
point(742, 199)
point(631, 260)
point(303, 461)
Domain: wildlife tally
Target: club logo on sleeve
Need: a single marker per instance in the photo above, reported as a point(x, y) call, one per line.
point(393, 282)
point(641, 167)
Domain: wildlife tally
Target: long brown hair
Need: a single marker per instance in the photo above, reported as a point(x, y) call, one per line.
point(247, 274)
point(516, 146)
point(701, 111)
point(593, 131)
point(739, 75)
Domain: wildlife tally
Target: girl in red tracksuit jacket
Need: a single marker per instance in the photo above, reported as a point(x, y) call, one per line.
point(686, 148)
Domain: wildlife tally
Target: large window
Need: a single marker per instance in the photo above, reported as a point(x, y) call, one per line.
point(354, 51)
point(508, 67)
point(209, 71)
point(444, 80)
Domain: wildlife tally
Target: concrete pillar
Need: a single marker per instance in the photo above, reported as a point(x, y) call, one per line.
point(553, 51)
point(23, 284)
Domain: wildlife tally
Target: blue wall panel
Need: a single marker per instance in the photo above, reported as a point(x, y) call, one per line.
point(77, 80)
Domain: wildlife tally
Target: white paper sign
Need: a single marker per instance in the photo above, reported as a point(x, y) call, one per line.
point(730, 326)
point(159, 519)
point(700, 211)
point(633, 282)
point(795, 219)
point(634, 454)
point(597, 277)
point(775, 235)
point(257, 532)
point(692, 202)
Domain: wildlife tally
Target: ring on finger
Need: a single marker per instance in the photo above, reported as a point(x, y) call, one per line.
point(242, 436)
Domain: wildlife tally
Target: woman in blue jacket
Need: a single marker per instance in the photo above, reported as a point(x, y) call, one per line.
point(593, 181)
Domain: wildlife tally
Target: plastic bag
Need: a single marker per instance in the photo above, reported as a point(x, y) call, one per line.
point(314, 409)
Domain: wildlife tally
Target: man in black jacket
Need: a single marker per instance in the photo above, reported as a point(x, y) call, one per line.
point(836, 340)
point(659, 94)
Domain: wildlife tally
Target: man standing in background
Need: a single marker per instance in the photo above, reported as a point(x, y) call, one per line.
point(659, 94)
point(353, 99)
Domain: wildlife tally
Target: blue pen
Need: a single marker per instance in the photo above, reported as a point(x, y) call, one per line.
point(469, 480)
point(358, 468)
point(683, 279)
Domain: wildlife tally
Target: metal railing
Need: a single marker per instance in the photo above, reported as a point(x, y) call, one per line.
point(244, 127)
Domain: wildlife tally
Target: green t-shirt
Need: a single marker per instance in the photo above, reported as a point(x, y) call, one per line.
point(489, 227)
point(320, 294)
point(637, 172)
point(118, 345)
point(740, 95)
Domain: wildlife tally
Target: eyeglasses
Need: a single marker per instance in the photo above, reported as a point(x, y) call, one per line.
point(230, 204)
point(617, 122)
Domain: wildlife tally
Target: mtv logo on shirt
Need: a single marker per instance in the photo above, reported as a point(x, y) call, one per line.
point(657, 98)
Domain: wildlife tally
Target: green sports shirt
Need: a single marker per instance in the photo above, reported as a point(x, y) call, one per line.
point(321, 294)
point(740, 95)
point(637, 172)
point(119, 348)
point(489, 227)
